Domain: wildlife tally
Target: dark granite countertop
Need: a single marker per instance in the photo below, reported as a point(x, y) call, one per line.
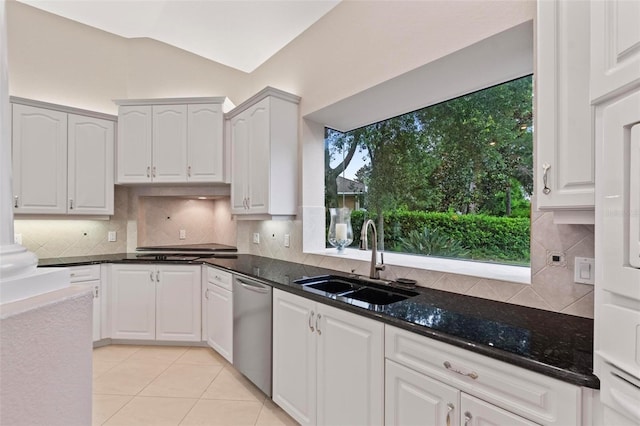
point(556, 345)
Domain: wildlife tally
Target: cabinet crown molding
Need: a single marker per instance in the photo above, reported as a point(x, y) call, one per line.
point(62, 108)
point(227, 105)
point(267, 91)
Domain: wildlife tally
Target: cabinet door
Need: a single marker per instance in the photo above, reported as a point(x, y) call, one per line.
point(169, 143)
point(178, 315)
point(239, 163)
point(294, 356)
point(134, 144)
point(350, 368)
point(412, 398)
point(615, 46)
point(39, 160)
point(220, 320)
point(133, 302)
point(259, 157)
point(205, 143)
point(619, 171)
point(563, 128)
point(476, 412)
point(90, 165)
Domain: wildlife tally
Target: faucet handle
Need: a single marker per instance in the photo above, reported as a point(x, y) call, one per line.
point(381, 266)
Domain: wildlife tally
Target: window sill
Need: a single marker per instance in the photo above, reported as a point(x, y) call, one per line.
point(518, 274)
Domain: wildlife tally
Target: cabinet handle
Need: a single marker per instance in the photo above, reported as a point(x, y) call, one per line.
point(15, 201)
point(189, 171)
point(545, 172)
point(467, 418)
point(97, 294)
point(318, 318)
point(311, 315)
point(206, 294)
point(248, 203)
point(158, 276)
point(151, 275)
point(448, 366)
point(70, 204)
point(450, 408)
point(153, 173)
point(148, 171)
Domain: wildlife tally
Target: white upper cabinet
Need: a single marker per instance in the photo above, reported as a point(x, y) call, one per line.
point(615, 47)
point(134, 144)
point(170, 140)
point(62, 161)
point(90, 165)
point(565, 165)
point(264, 155)
point(205, 154)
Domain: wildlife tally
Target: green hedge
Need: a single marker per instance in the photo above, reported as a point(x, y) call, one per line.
point(488, 238)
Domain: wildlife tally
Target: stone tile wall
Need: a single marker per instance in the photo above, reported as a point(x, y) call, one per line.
point(552, 287)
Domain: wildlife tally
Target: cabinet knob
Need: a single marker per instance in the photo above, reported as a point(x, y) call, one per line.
point(153, 171)
point(450, 408)
point(189, 171)
point(467, 418)
point(148, 171)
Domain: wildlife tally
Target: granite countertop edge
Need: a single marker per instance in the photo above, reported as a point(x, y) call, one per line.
point(566, 375)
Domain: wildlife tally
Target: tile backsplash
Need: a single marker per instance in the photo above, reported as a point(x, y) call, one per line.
point(160, 220)
point(157, 220)
point(552, 287)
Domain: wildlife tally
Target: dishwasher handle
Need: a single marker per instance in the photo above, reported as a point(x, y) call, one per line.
point(253, 286)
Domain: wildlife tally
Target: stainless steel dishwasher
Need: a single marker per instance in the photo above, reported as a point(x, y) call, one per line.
point(252, 331)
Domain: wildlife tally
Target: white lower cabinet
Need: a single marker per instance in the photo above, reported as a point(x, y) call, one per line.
point(155, 302)
point(219, 312)
point(89, 276)
point(442, 384)
point(328, 364)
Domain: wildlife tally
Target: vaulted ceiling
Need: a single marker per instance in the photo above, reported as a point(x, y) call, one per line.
point(241, 34)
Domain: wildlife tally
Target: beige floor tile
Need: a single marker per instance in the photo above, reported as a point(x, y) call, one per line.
point(201, 356)
point(101, 367)
point(183, 381)
point(272, 415)
point(158, 353)
point(114, 353)
point(105, 406)
point(224, 413)
point(128, 378)
point(152, 411)
point(231, 385)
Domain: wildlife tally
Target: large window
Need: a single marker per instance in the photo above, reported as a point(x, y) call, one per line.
point(450, 180)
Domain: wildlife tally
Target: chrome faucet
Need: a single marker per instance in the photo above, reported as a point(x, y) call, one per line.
point(375, 267)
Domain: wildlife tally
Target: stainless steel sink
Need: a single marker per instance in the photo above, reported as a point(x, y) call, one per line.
point(355, 291)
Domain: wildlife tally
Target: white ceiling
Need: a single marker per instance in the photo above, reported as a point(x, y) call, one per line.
point(241, 34)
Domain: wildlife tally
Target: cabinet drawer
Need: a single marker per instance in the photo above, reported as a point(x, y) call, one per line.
point(536, 397)
point(220, 278)
point(84, 273)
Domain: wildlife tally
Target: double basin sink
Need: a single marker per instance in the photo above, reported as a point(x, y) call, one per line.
point(355, 291)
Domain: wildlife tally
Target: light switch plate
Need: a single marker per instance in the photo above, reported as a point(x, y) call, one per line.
point(183, 234)
point(111, 236)
point(256, 238)
point(287, 240)
point(583, 270)
point(17, 238)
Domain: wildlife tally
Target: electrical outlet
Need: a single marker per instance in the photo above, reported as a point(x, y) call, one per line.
point(17, 238)
point(557, 258)
point(111, 236)
point(256, 238)
point(287, 240)
point(183, 234)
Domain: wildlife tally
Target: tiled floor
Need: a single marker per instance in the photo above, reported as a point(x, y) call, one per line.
point(171, 385)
